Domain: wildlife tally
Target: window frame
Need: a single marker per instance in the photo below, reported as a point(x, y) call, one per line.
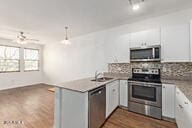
point(19, 60)
point(31, 60)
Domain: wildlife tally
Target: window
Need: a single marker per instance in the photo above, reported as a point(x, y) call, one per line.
point(9, 59)
point(31, 59)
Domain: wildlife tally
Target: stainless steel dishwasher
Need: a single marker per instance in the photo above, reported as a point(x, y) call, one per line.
point(97, 107)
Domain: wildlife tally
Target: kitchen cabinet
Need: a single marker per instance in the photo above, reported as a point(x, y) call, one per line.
point(117, 50)
point(175, 43)
point(183, 109)
point(124, 93)
point(191, 41)
point(112, 97)
point(145, 38)
point(168, 101)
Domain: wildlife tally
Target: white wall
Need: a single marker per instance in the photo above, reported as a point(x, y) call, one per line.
point(90, 52)
point(80, 59)
point(17, 79)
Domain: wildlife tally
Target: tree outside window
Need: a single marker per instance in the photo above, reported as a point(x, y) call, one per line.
point(9, 59)
point(31, 60)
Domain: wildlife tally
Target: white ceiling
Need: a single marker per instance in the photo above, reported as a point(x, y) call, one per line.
point(46, 19)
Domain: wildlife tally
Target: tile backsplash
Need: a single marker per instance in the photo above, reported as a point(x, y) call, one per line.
point(169, 70)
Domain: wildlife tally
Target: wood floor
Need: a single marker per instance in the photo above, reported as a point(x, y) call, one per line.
point(34, 105)
point(124, 119)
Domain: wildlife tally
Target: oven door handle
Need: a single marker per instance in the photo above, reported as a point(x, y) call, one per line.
point(148, 85)
point(145, 85)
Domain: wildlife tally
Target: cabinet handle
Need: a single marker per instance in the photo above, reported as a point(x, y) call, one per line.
point(186, 102)
point(180, 106)
point(113, 90)
point(163, 86)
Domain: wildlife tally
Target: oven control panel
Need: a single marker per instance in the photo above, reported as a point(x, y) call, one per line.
point(146, 71)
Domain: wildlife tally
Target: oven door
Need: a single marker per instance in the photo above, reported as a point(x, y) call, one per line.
point(145, 93)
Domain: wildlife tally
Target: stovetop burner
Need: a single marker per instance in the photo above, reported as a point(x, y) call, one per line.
point(151, 75)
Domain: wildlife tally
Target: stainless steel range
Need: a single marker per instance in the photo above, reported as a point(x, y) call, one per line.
point(145, 92)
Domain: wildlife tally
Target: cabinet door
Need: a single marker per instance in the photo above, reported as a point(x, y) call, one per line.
point(145, 38)
point(137, 39)
point(108, 107)
point(112, 97)
point(124, 93)
point(153, 37)
point(179, 113)
point(168, 101)
point(175, 43)
point(117, 49)
point(187, 113)
point(191, 41)
point(183, 110)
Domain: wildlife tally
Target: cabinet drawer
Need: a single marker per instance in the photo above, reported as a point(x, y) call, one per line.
point(113, 83)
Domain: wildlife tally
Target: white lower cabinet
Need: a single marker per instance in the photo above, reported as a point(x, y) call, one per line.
point(168, 101)
point(183, 111)
point(124, 93)
point(112, 97)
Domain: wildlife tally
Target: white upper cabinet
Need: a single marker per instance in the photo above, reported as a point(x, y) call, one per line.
point(145, 38)
point(175, 43)
point(117, 48)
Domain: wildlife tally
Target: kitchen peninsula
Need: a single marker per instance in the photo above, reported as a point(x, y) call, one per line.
point(80, 101)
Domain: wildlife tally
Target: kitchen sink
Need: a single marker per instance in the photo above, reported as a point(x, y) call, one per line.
point(102, 79)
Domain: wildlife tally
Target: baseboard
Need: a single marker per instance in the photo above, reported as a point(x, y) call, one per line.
point(123, 107)
point(169, 119)
point(20, 86)
point(48, 83)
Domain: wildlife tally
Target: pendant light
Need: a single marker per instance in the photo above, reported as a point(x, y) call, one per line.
point(66, 40)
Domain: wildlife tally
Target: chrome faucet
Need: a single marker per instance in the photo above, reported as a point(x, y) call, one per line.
point(97, 74)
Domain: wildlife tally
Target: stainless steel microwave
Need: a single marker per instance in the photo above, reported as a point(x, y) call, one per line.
point(149, 53)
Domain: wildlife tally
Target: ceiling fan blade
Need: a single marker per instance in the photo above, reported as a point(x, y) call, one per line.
point(14, 40)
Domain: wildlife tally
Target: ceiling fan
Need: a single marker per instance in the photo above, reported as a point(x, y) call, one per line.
point(22, 39)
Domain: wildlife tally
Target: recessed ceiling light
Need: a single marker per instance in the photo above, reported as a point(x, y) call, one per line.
point(135, 4)
point(135, 7)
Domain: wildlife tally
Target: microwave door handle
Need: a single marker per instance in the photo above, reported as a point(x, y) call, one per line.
point(153, 52)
